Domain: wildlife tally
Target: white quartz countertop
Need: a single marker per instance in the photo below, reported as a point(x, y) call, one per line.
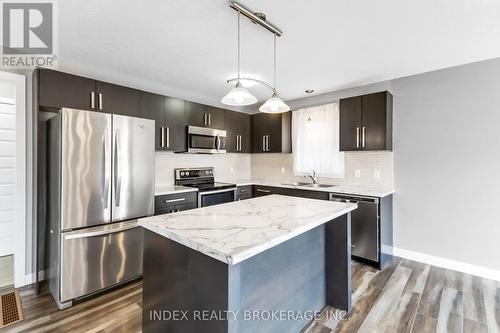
point(235, 231)
point(171, 189)
point(371, 191)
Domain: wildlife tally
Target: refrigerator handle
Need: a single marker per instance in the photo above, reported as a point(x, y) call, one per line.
point(117, 171)
point(105, 230)
point(105, 180)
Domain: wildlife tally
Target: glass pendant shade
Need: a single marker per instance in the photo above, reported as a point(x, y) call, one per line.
point(274, 105)
point(238, 96)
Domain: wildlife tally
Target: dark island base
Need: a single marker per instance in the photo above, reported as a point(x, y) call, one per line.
point(187, 291)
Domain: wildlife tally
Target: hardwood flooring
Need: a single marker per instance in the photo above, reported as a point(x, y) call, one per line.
point(406, 296)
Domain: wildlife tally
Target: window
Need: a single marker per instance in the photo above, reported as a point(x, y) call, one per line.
point(315, 140)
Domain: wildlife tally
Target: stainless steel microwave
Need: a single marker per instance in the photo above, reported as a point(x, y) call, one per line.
point(204, 140)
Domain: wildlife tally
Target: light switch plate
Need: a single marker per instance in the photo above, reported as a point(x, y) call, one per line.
point(376, 174)
point(357, 173)
point(283, 170)
point(231, 170)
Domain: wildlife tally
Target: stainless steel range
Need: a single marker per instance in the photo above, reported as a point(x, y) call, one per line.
point(210, 192)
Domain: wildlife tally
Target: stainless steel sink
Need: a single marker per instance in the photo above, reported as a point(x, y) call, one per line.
point(308, 185)
point(319, 185)
point(297, 184)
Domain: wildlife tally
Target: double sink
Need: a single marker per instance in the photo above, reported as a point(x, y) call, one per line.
point(308, 185)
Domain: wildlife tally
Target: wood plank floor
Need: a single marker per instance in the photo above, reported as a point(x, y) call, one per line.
point(406, 296)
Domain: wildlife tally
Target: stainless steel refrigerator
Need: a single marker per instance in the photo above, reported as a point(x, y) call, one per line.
point(100, 180)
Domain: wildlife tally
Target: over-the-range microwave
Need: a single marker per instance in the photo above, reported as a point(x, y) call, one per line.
point(204, 140)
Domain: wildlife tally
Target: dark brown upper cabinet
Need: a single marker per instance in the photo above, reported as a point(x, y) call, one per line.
point(271, 133)
point(170, 120)
point(152, 106)
point(175, 124)
point(62, 90)
point(204, 116)
point(115, 99)
point(238, 126)
point(366, 122)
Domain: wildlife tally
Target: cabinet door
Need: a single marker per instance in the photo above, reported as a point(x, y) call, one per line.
point(196, 114)
point(232, 126)
point(374, 121)
point(260, 128)
point(152, 106)
point(117, 99)
point(175, 124)
point(237, 125)
point(62, 90)
point(350, 124)
point(215, 117)
point(274, 131)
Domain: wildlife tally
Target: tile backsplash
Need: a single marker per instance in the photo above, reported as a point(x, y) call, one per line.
point(365, 164)
point(278, 167)
point(227, 166)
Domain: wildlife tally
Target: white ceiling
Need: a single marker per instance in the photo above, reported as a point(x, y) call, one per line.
point(187, 49)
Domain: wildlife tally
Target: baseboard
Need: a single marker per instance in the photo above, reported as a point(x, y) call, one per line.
point(459, 266)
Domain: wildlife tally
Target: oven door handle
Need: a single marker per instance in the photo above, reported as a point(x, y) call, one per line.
point(218, 191)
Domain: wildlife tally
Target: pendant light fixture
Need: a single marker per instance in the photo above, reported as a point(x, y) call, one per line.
point(274, 104)
point(239, 95)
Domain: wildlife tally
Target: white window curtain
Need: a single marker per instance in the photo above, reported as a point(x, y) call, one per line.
point(315, 140)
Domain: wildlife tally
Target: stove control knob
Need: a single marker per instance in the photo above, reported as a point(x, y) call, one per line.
point(182, 173)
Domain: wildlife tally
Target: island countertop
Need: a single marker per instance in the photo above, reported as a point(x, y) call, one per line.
point(235, 231)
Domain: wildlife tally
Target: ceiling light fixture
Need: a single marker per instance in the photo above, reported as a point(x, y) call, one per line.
point(239, 95)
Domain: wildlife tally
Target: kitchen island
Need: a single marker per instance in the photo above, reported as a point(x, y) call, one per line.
point(261, 265)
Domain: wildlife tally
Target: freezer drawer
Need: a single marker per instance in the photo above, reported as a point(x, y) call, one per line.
point(99, 257)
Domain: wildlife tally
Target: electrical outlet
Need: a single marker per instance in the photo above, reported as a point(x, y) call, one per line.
point(376, 174)
point(357, 173)
point(283, 170)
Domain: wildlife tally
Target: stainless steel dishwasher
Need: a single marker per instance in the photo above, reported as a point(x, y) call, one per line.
point(364, 225)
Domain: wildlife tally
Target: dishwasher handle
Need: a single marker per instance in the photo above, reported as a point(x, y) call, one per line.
point(353, 199)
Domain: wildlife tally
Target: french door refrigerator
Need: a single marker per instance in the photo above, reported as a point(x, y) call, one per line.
point(100, 180)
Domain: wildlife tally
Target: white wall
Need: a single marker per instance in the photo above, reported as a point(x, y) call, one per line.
point(447, 163)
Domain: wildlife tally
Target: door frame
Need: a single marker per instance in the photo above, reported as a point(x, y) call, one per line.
point(19, 81)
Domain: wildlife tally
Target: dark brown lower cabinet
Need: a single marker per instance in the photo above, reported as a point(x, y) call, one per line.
point(260, 191)
point(176, 202)
point(243, 192)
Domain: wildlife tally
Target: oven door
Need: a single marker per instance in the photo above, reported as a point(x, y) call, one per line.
point(216, 197)
point(206, 140)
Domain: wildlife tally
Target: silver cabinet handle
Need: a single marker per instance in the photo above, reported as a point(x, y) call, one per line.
point(237, 140)
point(92, 100)
point(168, 137)
point(205, 119)
point(117, 169)
point(357, 137)
point(263, 143)
point(268, 137)
point(363, 137)
point(209, 119)
point(264, 191)
point(175, 200)
point(99, 101)
point(241, 139)
point(162, 137)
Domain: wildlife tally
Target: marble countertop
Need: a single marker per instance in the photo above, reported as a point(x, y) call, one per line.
point(371, 191)
point(235, 231)
point(171, 189)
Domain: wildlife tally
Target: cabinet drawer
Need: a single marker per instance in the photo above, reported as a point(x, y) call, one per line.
point(244, 192)
point(259, 191)
point(169, 201)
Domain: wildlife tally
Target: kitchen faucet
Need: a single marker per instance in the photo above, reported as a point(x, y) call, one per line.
point(313, 176)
